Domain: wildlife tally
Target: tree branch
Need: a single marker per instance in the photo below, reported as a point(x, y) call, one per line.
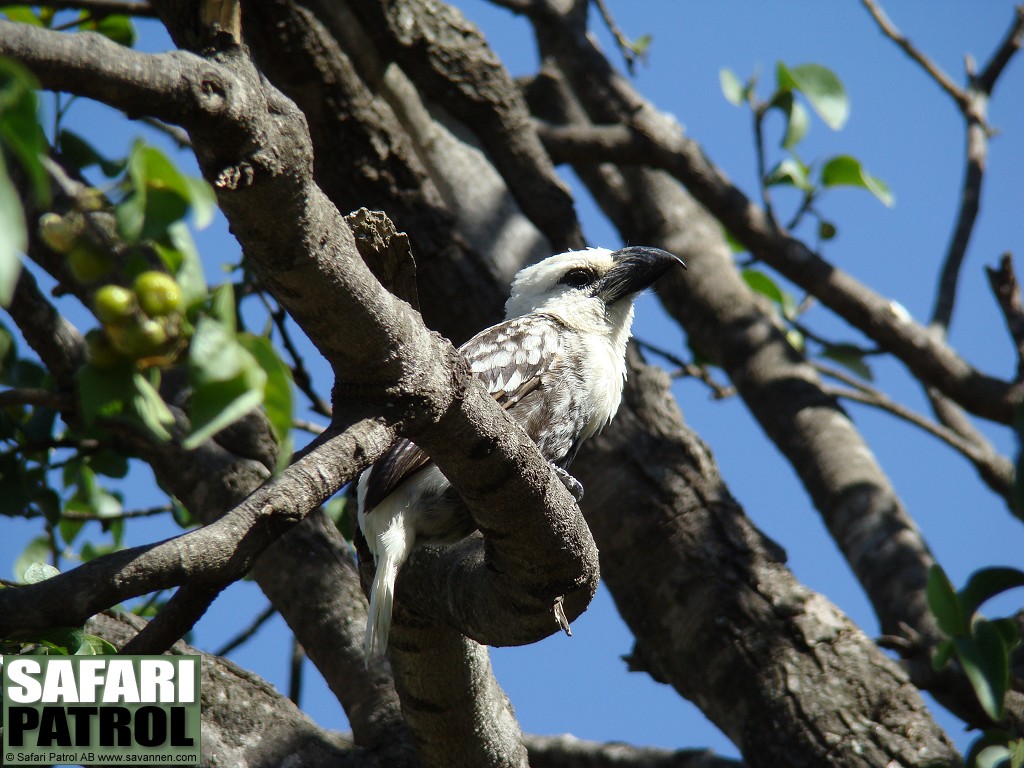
point(655, 143)
point(1003, 280)
point(934, 71)
point(449, 60)
point(996, 470)
point(986, 81)
point(57, 342)
point(569, 752)
point(217, 553)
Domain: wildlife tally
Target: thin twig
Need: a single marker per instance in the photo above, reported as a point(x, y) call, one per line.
point(625, 45)
point(996, 470)
point(762, 170)
point(178, 135)
point(699, 372)
point(300, 375)
point(295, 676)
point(1003, 280)
point(941, 78)
point(246, 634)
point(130, 514)
point(986, 81)
point(42, 398)
point(309, 426)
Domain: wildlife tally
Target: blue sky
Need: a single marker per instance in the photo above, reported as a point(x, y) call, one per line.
point(904, 130)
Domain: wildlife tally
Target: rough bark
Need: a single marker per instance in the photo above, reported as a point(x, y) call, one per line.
point(717, 615)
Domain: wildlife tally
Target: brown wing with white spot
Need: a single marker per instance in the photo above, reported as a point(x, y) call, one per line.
point(510, 359)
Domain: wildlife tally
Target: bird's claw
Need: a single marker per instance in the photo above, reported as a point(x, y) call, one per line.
point(572, 485)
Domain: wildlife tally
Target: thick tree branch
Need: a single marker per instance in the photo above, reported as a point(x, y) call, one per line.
point(449, 61)
point(655, 143)
point(217, 553)
point(726, 615)
point(57, 342)
point(177, 617)
point(254, 147)
point(728, 324)
point(725, 322)
point(569, 752)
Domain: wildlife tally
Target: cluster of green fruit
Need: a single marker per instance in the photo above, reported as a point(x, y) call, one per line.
point(143, 323)
point(88, 260)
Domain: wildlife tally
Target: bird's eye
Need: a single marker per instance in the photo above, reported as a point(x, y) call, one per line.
point(578, 277)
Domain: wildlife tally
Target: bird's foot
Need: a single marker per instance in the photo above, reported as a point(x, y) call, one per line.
point(572, 485)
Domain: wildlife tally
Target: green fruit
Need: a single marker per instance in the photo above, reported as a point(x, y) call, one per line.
point(113, 304)
point(88, 262)
point(57, 232)
point(158, 293)
point(101, 351)
point(137, 340)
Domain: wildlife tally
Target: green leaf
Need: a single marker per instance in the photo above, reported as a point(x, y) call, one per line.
point(1010, 633)
point(228, 381)
point(760, 283)
point(277, 398)
point(641, 44)
point(796, 126)
point(942, 654)
point(823, 90)
point(986, 663)
point(122, 393)
point(69, 529)
point(995, 756)
point(37, 551)
point(987, 583)
point(1016, 753)
point(83, 155)
point(844, 170)
point(222, 307)
point(789, 172)
point(93, 645)
point(91, 498)
point(13, 236)
point(117, 27)
point(797, 120)
point(19, 125)
point(65, 641)
point(109, 463)
point(37, 572)
point(945, 603)
point(734, 245)
point(182, 259)
point(202, 199)
point(160, 195)
point(23, 14)
point(732, 88)
point(150, 408)
point(850, 357)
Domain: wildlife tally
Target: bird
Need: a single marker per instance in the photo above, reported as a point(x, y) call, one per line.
point(556, 364)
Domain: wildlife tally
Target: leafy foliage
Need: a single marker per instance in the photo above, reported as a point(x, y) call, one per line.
point(982, 647)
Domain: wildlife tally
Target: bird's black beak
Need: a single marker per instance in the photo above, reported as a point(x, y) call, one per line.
point(635, 268)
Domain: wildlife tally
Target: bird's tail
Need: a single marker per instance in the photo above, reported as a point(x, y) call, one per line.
point(382, 598)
